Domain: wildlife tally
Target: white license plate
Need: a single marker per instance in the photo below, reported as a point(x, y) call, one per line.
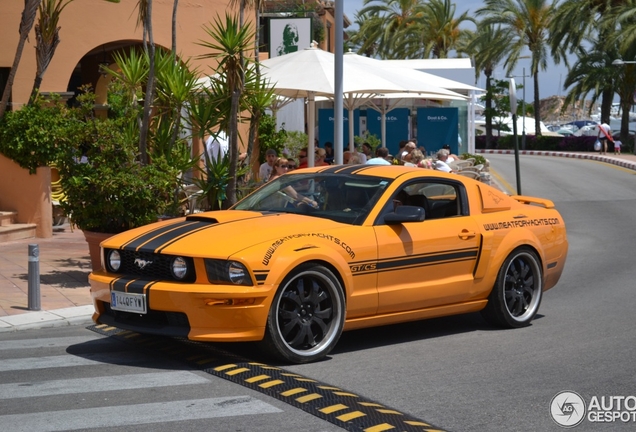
point(127, 302)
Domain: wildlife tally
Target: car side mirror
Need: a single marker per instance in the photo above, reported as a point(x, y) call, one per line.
point(405, 214)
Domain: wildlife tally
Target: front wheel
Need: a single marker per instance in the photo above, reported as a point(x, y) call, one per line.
point(307, 315)
point(517, 293)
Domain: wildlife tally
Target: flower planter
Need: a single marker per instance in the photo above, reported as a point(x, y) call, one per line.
point(94, 239)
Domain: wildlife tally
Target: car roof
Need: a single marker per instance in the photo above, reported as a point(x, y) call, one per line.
point(386, 171)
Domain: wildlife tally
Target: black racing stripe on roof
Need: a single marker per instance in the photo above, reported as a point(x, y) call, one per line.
point(332, 169)
point(350, 169)
point(147, 236)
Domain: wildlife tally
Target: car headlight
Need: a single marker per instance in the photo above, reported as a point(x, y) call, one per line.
point(179, 268)
point(222, 272)
point(114, 260)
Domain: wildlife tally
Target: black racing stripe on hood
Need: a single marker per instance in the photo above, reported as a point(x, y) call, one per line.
point(158, 243)
point(147, 236)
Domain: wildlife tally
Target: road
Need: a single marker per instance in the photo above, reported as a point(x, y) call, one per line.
point(458, 373)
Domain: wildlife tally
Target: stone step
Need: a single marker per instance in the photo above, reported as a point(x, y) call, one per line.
point(16, 232)
point(7, 218)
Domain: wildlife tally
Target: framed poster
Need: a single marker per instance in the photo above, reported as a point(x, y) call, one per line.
point(288, 35)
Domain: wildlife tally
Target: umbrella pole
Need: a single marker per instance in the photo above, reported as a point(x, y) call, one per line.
point(383, 133)
point(352, 145)
point(311, 128)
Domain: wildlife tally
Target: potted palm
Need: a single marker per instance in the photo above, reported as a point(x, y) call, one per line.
point(107, 189)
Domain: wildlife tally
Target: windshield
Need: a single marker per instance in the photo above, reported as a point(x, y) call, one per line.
point(341, 198)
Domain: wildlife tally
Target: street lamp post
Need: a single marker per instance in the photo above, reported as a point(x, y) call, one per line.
point(621, 62)
point(523, 104)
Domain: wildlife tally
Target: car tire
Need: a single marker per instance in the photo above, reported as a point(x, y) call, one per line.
point(307, 315)
point(516, 296)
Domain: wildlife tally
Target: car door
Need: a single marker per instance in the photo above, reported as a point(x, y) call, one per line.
point(428, 263)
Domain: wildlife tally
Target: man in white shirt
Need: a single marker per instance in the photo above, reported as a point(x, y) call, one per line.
point(440, 163)
point(216, 146)
point(266, 167)
point(604, 134)
point(381, 153)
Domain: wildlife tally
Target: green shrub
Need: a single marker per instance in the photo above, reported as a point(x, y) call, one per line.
point(31, 135)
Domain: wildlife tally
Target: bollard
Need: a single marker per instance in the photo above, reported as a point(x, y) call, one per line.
point(34, 277)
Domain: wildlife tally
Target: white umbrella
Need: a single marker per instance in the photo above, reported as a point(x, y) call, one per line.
point(310, 72)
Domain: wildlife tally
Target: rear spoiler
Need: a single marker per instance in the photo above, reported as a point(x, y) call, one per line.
point(545, 203)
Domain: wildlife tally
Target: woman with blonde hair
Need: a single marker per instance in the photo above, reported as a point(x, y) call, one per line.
point(280, 167)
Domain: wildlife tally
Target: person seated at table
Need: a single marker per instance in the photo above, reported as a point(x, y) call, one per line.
point(381, 154)
point(441, 164)
point(319, 158)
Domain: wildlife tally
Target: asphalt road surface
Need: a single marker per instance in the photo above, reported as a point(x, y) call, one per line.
point(457, 373)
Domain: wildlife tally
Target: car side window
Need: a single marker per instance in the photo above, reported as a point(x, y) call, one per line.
point(438, 199)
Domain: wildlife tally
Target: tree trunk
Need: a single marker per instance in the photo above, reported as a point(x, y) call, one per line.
point(150, 89)
point(231, 185)
point(606, 105)
point(174, 27)
point(26, 24)
point(44, 52)
point(537, 105)
point(488, 110)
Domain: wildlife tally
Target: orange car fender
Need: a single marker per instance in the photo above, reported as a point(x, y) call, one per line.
point(292, 254)
point(496, 246)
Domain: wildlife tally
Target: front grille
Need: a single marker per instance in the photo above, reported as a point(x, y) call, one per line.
point(151, 266)
point(154, 322)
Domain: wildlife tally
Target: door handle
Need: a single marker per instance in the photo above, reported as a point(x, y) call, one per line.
point(521, 216)
point(465, 234)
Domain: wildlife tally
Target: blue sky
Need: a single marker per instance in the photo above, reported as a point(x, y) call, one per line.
point(550, 81)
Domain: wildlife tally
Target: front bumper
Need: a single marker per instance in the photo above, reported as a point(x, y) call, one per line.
point(203, 312)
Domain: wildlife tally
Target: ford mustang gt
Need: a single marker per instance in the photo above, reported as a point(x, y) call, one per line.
point(322, 250)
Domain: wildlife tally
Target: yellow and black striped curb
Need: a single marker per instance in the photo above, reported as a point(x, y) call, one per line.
point(344, 409)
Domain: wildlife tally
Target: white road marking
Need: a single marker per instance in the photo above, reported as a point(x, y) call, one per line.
point(99, 384)
point(117, 416)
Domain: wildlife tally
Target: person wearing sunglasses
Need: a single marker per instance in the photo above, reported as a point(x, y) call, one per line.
point(280, 167)
point(302, 158)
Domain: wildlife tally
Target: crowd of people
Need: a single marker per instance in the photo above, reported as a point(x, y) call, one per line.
point(408, 155)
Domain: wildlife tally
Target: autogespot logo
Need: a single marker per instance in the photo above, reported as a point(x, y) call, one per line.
point(567, 409)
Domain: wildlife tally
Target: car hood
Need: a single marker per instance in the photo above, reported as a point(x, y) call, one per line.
point(219, 234)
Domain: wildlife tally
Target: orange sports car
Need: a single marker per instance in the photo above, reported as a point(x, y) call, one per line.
point(328, 249)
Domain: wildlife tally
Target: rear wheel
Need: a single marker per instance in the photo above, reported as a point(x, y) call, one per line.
point(307, 315)
point(517, 293)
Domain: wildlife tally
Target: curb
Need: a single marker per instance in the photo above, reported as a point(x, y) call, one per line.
point(602, 158)
point(45, 319)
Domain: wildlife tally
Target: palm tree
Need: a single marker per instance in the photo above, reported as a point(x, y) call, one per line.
point(365, 39)
point(255, 110)
point(625, 15)
point(144, 17)
point(47, 36)
point(529, 22)
point(391, 24)
point(590, 75)
point(584, 22)
point(175, 7)
point(439, 30)
point(229, 41)
point(26, 23)
point(489, 47)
